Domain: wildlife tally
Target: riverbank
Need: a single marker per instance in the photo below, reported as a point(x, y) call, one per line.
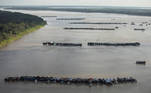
point(20, 35)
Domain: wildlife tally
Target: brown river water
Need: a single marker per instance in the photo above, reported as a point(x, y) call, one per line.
point(27, 56)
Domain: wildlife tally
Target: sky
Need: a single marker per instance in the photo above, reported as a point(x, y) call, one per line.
point(136, 3)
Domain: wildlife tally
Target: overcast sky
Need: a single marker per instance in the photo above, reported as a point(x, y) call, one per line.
point(139, 3)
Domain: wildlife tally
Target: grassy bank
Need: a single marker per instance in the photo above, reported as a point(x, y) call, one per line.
point(18, 36)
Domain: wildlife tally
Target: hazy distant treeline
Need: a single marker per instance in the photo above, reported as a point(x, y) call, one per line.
point(118, 10)
point(13, 23)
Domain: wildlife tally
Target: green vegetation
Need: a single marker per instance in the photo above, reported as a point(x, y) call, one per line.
point(14, 25)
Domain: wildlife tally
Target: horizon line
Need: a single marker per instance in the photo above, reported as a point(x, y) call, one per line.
point(79, 6)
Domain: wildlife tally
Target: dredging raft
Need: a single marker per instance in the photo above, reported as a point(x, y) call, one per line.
point(52, 43)
point(113, 44)
point(84, 81)
point(141, 62)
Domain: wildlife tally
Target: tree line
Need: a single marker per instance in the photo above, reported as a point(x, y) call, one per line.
point(13, 23)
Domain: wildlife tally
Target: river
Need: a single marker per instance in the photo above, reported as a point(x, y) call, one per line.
point(27, 56)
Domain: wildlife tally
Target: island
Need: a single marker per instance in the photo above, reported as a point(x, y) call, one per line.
point(14, 25)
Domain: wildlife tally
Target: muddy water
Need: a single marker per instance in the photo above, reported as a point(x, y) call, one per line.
point(27, 56)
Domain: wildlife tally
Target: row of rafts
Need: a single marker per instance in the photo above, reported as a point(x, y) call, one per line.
point(52, 43)
point(66, 80)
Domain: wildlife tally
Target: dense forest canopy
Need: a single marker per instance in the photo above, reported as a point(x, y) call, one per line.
point(13, 23)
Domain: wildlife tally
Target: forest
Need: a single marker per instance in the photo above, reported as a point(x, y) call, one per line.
point(14, 23)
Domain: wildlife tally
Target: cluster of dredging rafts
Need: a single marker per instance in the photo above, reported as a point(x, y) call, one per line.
point(52, 43)
point(82, 81)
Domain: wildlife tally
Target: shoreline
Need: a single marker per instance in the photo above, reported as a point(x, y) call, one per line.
point(11, 39)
